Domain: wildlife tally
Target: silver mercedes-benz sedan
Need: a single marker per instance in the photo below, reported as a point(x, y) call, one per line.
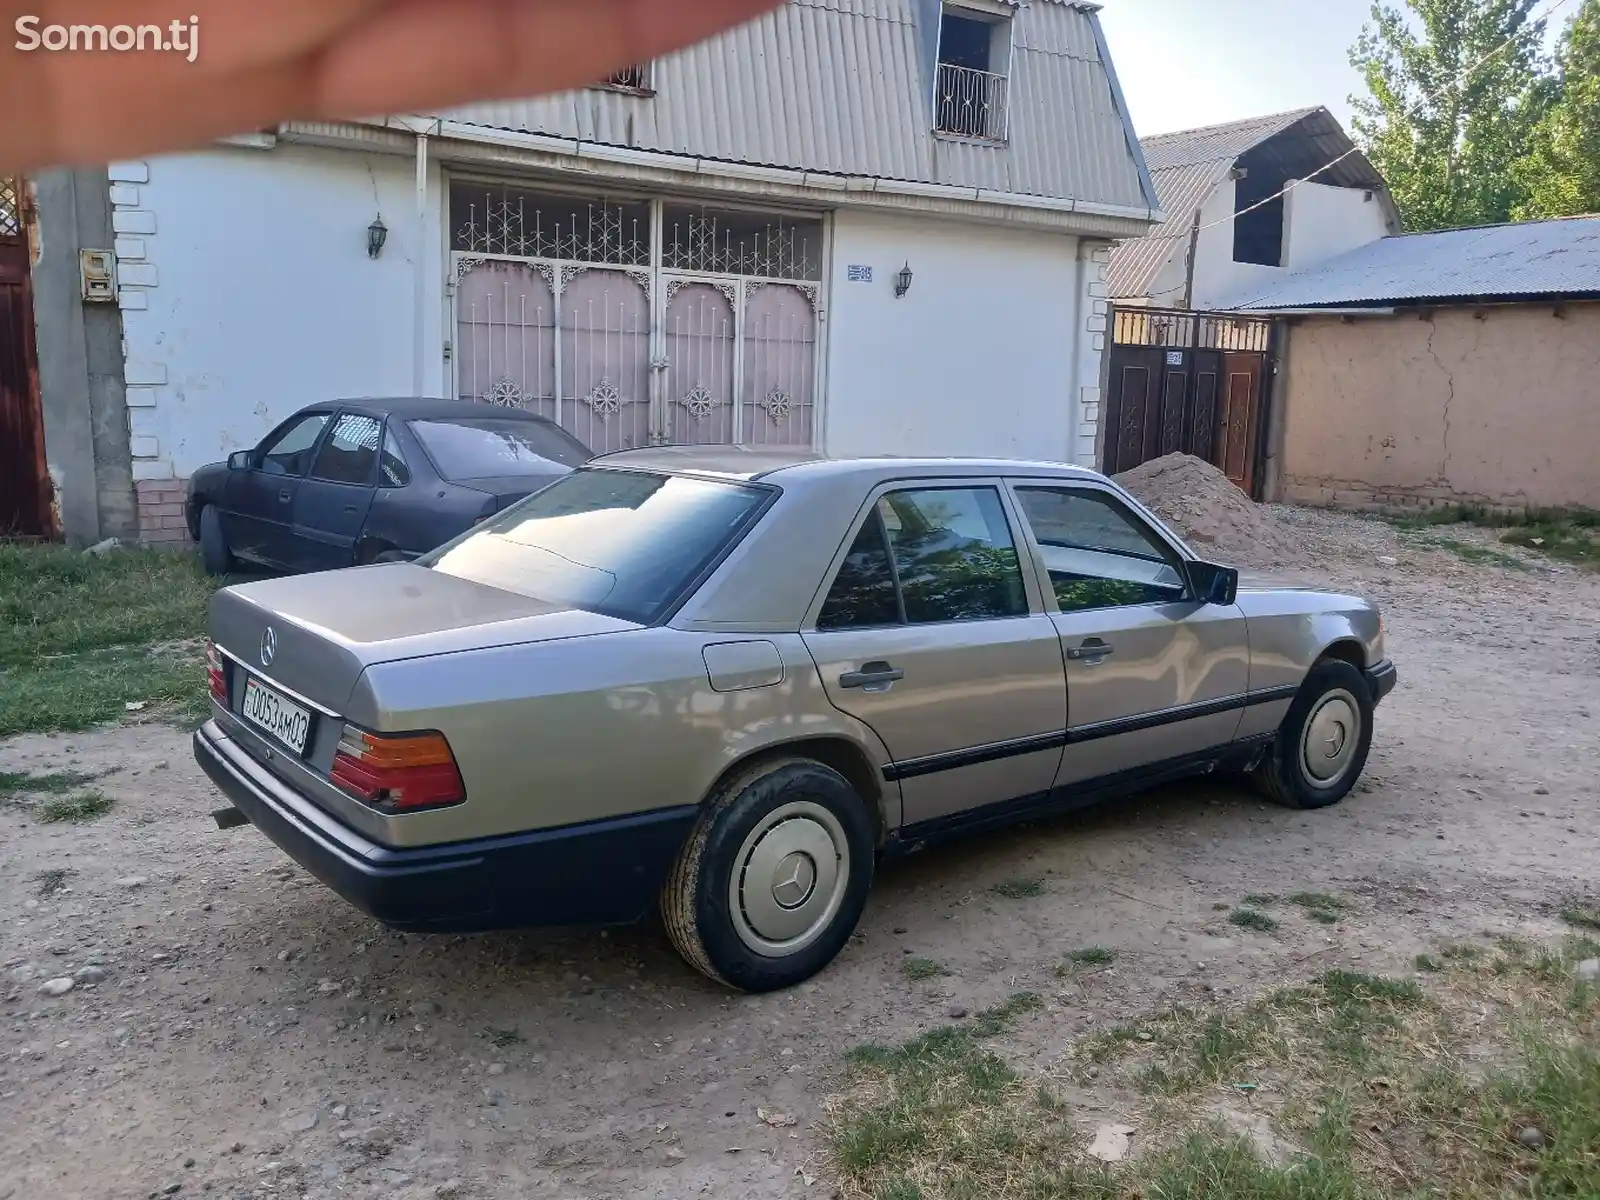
point(730, 683)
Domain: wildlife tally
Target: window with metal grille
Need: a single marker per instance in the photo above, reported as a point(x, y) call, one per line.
point(973, 79)
point(10, 208)
point(635, 78)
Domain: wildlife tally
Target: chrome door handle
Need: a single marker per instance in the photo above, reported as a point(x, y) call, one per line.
point(873, 676)
point(1091, 649)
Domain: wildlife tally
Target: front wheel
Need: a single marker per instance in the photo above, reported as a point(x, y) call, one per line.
point(773, 880)
point(1323, 743)
point(215, 555)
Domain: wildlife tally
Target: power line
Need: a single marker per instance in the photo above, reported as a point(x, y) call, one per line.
point(1294, 183)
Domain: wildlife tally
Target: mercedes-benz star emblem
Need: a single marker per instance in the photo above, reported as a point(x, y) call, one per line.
point(269, 646)
point(796, 876)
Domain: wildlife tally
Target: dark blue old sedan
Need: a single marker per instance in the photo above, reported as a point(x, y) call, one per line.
point(359, 481)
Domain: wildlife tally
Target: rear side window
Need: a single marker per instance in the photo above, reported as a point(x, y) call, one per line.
point(624, 543)
point(486, 447)
point(947, 553)
point(392, 469)
point(351, 452)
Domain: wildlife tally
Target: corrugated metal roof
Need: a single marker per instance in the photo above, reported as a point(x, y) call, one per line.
point(1136, 264)
point(1185, 147)
point(1539, 258)
point(1187, 166)
point(842, 86)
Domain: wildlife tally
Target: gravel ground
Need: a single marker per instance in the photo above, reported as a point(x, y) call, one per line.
point(233, 1028)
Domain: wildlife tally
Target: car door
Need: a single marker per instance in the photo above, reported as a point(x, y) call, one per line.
point(258, 516)
point(331, 506)
point(1154, 676)
point(933, 632)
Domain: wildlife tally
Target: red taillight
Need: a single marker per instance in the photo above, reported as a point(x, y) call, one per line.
point(214, 674)
point(397, 774)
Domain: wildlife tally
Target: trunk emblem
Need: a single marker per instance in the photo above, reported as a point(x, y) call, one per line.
point(269, 646)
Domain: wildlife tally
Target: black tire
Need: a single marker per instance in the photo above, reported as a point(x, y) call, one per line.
point(1305, 768)
point(215, 556)
point(760, 821)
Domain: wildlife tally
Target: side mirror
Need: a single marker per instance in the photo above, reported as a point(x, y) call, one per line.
point(239, 460)
point(1214, 584)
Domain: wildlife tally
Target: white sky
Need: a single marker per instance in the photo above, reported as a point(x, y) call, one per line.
point(1188, 63)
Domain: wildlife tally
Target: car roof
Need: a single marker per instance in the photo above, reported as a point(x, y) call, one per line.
point(786, 466)
point(424, 408)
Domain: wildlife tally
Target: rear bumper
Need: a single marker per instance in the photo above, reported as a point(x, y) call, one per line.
point(1382, 679)
point(603, 873)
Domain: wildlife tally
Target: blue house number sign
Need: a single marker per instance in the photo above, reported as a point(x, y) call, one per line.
point(856, 273)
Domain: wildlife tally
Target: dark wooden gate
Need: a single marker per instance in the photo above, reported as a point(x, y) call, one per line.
point(1187, 382)
point(24, 481)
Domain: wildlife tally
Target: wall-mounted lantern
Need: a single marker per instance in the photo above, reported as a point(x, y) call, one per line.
point(377, 235)
point(902, 281)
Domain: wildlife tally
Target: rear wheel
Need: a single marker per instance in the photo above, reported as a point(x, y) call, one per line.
point(1323, 743)
point(773, 880)
point(215, 556)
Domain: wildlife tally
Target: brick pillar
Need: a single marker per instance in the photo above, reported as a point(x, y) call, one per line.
point(161, 519)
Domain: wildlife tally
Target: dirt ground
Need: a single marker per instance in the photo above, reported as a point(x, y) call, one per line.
point(254, 1036)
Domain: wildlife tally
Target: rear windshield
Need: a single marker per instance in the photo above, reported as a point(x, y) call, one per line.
point(484, 447)
point(623, 543)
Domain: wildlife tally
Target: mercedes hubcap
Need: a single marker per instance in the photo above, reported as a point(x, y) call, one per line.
point(789, 879)
point(1333, 731)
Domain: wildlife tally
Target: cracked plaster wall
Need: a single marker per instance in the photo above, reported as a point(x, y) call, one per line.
point(1499, 408)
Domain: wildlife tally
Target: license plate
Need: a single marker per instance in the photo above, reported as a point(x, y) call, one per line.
point(284, 720)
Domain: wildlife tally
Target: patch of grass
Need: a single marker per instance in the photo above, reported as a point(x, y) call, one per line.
point(1581, 914)
point(1249, 918)
point(1261, 899)
point(922, 968)
point(1022, 888)
point(1221, 906)
point(25, 783)
point(1090, 956)
point(82, 637)
point(1427, 962)
point(52, 881)
point(1346, 988)
point(1318, 900)
point(77, 810)
point(503, 1037)
point(1470, 552)
point(1571, 535)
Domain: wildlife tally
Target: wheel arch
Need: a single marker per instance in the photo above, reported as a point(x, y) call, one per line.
point(838, 753)
point(1347, 650)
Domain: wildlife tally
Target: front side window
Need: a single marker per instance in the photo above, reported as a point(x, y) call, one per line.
point(929, 555)
point(290, 452)
point(487, 447)
point(1098, 553)
point(626, 544)
point(351, 451)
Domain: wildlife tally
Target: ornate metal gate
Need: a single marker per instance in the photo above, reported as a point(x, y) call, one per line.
point(25, 490)
point(636, 323)
point(1191, 382)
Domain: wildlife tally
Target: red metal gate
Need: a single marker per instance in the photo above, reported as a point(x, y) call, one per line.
point(25, 508)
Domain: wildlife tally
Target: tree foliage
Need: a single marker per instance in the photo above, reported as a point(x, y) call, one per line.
point(1561, 172)
point(1457, 92)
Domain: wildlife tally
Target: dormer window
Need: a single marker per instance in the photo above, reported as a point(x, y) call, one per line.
point(974, 73)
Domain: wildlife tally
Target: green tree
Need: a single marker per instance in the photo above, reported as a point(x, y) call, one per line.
point(1456, 89)
point(1561, 172)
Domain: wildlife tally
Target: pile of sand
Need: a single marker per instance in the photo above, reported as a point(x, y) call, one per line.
point(1211, 513)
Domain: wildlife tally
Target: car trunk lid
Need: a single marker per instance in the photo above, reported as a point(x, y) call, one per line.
point(508, 489)
point(326, 629)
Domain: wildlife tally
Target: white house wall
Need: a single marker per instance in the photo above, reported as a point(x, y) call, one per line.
point(988, 354)
point(247, 293)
